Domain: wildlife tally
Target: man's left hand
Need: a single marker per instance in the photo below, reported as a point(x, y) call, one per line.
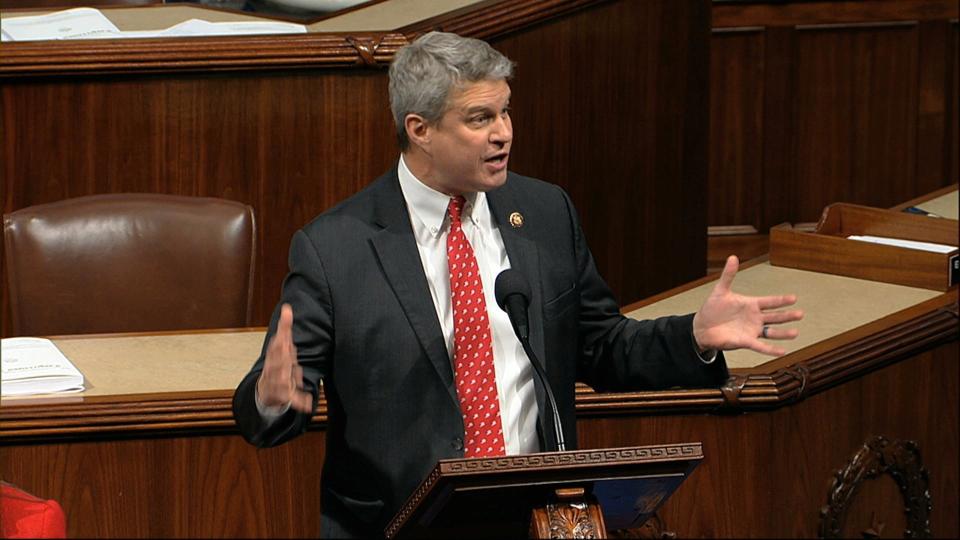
point(728, 320)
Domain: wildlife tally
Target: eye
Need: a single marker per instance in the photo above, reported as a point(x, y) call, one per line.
point(480, 119)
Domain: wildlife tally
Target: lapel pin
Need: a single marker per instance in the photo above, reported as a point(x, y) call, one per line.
point(516, 220)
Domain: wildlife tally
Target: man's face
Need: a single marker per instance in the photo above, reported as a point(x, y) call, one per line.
point(470, 144)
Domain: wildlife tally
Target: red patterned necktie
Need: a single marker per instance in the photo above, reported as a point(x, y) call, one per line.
point(473, 349)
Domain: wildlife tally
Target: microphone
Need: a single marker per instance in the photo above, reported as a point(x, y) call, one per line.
point(513, 296)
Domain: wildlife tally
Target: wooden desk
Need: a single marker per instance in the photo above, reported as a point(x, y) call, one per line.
point(150, 450)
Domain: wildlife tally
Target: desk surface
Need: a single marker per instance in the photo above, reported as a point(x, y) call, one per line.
point(157, 364)
point(833, 304)
point(217, 361)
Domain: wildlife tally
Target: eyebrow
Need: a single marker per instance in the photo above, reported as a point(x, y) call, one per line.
point(483, 108)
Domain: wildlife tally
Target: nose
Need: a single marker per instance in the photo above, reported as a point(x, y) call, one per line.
point(502, 132)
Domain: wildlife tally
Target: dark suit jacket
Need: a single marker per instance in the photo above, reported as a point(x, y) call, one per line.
point(364, 322)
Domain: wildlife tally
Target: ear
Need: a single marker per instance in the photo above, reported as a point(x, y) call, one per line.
point(418, 130)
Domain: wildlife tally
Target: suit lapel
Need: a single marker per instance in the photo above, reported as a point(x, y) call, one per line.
point(399, 257)
point(524, 257)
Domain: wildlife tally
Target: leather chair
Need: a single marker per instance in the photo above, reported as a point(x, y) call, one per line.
point(129, 263)
point(24, 516)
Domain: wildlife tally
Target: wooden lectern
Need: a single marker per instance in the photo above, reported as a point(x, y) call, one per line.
point(575, 494)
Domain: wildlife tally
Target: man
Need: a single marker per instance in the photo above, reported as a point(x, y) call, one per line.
point(390, 301)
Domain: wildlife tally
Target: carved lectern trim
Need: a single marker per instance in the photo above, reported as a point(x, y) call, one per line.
point(566, 459)
point(570, 520)
point(901, 460)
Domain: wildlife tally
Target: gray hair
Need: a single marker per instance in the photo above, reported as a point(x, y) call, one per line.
point(423, 73)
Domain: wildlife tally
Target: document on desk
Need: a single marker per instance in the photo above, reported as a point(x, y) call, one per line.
point(36, 366)
point(197, 27)
point(90, 23)
point(899, 242)
point(78, 23)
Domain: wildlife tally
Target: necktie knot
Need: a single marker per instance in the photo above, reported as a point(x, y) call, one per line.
point(456, 208)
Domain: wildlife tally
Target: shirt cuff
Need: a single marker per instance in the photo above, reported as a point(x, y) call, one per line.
point(707, 356)
point(267, 413)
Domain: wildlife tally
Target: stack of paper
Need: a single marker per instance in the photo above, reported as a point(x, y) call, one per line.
point(36, 366)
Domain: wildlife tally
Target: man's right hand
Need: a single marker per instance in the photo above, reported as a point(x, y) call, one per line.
point(281, 381)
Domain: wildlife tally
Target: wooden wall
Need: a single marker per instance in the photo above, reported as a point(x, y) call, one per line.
point(608, 102)
point(819, 102)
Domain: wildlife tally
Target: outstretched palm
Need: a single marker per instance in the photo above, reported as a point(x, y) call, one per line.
point(728, 320)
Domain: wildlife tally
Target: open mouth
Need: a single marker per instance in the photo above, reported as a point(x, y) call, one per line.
point(498, 160)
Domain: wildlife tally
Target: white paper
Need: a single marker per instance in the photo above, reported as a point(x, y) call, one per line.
point(197, 27)
point(899, 242)
point(90, 23)
point(78, 23)
point(36, 366)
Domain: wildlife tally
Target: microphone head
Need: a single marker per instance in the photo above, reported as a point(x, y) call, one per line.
point(509, 283)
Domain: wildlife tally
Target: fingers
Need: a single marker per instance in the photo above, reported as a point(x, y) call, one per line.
point(729, 272)
point(773, 332)
point(285, 324)
point(765, 348)
point(777, 301)
point(296, 377)
point(282, 375)
point(302, 401)
point(779, 317)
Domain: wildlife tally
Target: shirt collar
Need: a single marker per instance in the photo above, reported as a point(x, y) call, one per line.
point(429, 206)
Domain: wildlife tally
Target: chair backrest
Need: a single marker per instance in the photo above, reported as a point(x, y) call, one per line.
point(129, 263)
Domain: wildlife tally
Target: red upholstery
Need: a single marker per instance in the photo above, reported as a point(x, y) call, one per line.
point(24, 516)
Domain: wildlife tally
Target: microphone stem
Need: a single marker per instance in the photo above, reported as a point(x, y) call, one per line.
point(538, 371)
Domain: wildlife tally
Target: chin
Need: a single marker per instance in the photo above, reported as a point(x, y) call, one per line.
point(493, 182)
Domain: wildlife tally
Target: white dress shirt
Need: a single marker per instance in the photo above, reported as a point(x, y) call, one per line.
point(428, 216)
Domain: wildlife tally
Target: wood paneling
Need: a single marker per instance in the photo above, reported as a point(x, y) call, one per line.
point(953, 102)
point(856, 101)
point(605, 110)
point(203, 486)
point(294, 124)
point(290, 144)
point(733, 13)
point(766, 475)
point(736, 126)
point(856, 123)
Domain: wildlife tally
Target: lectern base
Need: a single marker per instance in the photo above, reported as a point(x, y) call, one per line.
point(572, 515)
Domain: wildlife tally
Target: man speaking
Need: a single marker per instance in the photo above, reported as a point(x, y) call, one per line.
point(390, 302)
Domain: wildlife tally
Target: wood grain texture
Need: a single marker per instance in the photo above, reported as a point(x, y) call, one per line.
point(294, 138)
point(202, 486)
point(614, 113)
point(201, 54)
point(734, 13)
point(856, 101)
point(736, 126)
point(767, 474)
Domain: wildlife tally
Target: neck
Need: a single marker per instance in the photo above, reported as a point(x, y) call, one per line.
point(420, 164)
